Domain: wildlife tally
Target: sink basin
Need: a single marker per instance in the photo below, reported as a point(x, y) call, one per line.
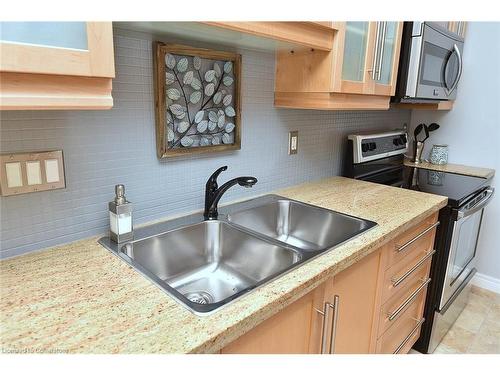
point(206, 265)
point(300, 225)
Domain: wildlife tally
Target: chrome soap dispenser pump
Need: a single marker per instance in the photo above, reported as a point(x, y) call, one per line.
point(120, 217)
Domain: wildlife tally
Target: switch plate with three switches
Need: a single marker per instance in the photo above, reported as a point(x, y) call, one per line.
point(31, 172)
point(293, 142)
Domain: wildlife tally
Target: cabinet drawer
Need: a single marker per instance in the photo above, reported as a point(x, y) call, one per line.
point(393, 310)
point(402, 275)
point(403, 334)
point(413, 243)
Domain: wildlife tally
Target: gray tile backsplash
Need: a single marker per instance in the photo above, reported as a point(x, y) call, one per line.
point(103, 148)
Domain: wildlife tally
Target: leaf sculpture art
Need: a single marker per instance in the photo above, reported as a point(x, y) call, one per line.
point(200, 107)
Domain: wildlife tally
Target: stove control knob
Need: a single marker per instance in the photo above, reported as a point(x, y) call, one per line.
point(364, 147)
point(373, 146)
point(403, 138)
point(395, 141)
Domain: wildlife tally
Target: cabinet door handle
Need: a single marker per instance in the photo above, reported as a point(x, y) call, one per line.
point(407, 338)
point(324, 321)
point(335, 318)
point(382, 47)
point(375, 53)
point(396, 282)
point(400, 309)
point(325, 315)
point(402, 247)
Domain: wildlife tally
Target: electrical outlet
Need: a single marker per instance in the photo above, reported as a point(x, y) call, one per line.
point(293, 142)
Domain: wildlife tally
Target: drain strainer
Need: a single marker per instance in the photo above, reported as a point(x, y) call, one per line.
point(199, 297)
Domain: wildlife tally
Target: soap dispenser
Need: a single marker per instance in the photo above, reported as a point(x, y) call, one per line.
point(120, 217)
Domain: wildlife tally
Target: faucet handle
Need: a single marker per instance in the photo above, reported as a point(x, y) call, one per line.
point(212, 180)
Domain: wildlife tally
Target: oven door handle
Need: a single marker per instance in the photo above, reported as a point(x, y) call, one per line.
point(455, 82)
point(490, 192)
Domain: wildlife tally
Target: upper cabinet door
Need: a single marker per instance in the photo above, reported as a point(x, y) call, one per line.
point(370, 58)
point(386, 57)
point(355, 51)
point(388, 44)
point(61, 48)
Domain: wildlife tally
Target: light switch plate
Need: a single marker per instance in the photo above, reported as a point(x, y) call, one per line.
point(30, 172)
point(293, 142)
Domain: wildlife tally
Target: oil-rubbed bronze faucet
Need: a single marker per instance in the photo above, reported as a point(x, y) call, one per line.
point(213, 192)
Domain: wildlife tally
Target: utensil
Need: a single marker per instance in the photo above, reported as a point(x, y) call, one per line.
point(433, 127)
point(426, 130)
point(417, 131)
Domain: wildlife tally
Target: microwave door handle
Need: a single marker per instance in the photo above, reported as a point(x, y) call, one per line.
point(459, 57)
point(479, 206)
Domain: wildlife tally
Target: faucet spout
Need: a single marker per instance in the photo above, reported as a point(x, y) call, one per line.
point(213, 192)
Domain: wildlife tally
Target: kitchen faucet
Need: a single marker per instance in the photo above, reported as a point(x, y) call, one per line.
point(213, 193)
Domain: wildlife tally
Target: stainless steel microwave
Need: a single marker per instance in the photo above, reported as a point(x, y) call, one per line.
point(430, 64)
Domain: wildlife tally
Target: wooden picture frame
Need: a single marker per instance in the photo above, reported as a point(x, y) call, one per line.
point(172, 139)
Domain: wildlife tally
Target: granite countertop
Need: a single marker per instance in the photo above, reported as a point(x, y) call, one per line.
point(80, 298)
point(454, 168)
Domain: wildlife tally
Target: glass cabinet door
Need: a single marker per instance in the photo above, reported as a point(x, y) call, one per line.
point(356, 38)
point(388, 45)
point(71, 35)
point(61, 48)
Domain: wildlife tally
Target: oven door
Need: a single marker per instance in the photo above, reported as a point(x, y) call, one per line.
point(440, 65)
point(462, 258)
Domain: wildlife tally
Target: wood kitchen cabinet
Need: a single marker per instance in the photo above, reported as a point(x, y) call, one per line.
point(359, 73)
point(316, 35)
point(295, 330)
point(353, 293)
point(336, 317)
point(403, 281)
point(374, 306)
point(56, 65)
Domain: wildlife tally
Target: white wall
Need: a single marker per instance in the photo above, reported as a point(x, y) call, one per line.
point(472, 128)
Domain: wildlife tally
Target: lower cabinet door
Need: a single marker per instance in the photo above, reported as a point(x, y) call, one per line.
point(295, 330)
point(353, 294)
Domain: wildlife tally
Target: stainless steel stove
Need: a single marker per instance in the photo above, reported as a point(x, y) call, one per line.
point(379, 158)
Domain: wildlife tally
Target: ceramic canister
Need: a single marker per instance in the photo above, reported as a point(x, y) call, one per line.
point(439, 154)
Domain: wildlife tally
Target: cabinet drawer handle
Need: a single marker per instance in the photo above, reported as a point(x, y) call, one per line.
point(407, 338)
point(402, 247)
point(396, 282)
point(403, 306)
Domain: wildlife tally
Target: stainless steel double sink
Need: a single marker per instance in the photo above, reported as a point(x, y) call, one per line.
point(205, 264)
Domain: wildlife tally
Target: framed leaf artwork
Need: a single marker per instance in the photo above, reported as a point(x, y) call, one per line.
point(197, 100)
